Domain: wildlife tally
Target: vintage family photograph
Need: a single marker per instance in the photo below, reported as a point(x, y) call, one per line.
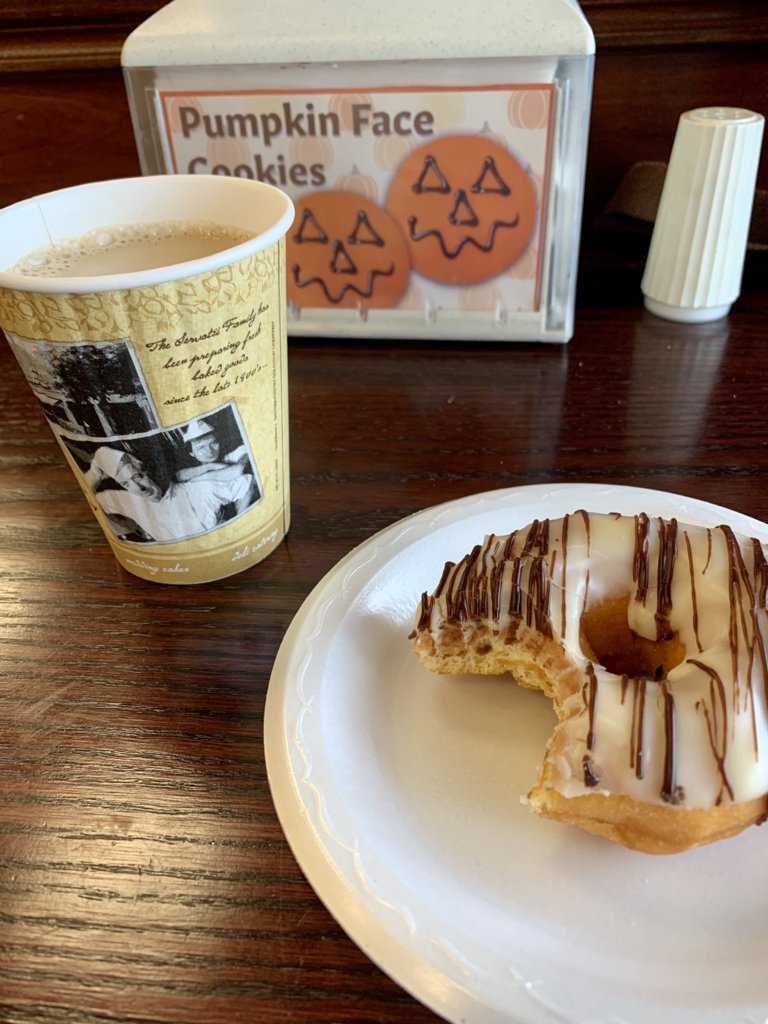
point(172, 484)
point(86, 389)
point(153, 485)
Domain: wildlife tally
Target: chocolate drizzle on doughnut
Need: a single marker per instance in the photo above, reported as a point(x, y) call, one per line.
point(736, 576)
point(716, 717)
point(537, 538)
point(470, 591)
point(665, 572)
point(564, 576)
point(640, 565)
point(694, 602)
point(537, 605)
point(624, 687)
point(638, 723)
point(667, 557)
point(709, 553)
point(696, 675)
point(760, 572)
point(591, 778)
point(670, 793)
point(591, 702)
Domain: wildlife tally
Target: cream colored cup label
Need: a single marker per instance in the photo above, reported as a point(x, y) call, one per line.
point(170, 403)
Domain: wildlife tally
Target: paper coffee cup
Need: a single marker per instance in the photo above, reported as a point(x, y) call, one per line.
point(165, 387)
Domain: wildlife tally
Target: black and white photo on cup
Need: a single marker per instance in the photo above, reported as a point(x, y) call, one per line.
point(89, 390)
point(171, 484)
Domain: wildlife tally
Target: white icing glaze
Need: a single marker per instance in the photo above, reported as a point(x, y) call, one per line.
point(700, 735)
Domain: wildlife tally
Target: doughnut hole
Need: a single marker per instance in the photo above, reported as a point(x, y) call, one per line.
point(607, 639)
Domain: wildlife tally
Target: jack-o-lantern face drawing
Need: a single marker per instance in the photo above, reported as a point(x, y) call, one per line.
point(346, 252)
point(466, 207)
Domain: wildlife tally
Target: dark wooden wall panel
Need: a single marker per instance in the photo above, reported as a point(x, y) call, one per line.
point(640, 92)
point(64, 115)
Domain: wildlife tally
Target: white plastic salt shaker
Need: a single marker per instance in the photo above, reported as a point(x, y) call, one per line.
point(696, 257)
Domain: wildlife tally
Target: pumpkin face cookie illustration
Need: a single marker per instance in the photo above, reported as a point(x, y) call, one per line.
point(466, 207)
point(344, 251)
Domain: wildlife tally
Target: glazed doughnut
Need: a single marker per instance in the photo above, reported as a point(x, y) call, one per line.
point(650, 637)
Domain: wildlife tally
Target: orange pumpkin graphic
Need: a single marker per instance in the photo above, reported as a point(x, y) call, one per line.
point(466, 207)
point(344, 251)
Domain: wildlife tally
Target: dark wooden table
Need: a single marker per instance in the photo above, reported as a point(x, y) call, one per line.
point(144, 876)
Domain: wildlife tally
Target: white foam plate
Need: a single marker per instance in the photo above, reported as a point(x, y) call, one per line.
point(399, 793)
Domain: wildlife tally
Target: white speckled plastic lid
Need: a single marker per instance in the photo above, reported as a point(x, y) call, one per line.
point(197, 32)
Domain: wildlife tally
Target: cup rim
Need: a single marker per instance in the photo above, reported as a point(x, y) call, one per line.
point(155, 275)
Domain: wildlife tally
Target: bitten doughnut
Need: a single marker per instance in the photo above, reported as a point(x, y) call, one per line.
point(650, 637)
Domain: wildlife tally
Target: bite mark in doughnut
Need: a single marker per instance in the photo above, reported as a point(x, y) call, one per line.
point(650, 637)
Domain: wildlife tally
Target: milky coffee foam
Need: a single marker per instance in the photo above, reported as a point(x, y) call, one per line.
point(127, 248)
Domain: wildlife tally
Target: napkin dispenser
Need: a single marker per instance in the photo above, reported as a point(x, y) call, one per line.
point(435, 152)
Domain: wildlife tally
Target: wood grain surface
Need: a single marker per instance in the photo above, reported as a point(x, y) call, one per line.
point(144, 876)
